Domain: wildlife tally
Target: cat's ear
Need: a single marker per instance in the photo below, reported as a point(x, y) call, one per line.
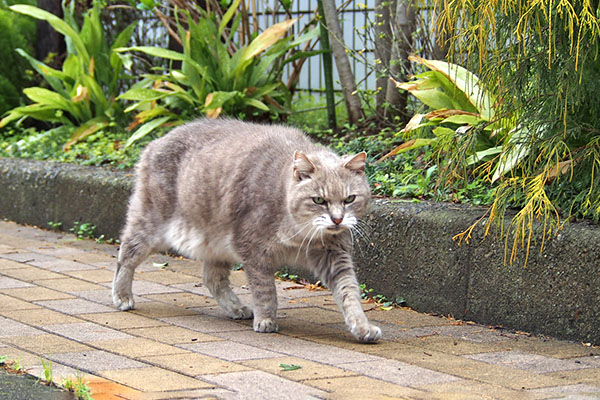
point(303, 167)
point(356, 163)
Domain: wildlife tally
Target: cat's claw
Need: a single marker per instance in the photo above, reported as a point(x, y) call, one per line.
point(123, 303)
point(265, 325)
point(244, 312)
point(366, 333)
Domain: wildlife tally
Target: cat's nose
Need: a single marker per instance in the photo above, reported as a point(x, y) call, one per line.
point(336, 221)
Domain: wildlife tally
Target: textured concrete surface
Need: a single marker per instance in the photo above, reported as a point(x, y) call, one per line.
point(178, 344)
point(406, 251)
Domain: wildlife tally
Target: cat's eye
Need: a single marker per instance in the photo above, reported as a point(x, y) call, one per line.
point(318, 200)
point(350, 199)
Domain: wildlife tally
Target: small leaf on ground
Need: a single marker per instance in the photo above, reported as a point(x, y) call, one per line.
point(160, 265)
point(289, 367)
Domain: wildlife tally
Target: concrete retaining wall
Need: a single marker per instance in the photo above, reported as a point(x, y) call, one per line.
point(407, 251)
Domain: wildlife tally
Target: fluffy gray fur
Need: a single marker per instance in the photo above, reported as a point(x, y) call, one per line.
point(227, 191)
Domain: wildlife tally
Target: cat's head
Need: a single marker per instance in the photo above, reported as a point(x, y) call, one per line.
point(328, 193)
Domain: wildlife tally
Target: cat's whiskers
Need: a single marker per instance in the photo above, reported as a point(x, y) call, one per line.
point(302, 227)
point(312, 229)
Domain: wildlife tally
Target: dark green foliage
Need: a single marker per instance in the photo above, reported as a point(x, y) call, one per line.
point(17, 32)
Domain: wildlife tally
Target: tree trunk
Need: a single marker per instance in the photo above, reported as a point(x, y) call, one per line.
point(49, 42)
point(349, 90)
point(327, 70)
point(394, 28)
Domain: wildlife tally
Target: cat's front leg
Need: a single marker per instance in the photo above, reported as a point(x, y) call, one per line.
point(264, 295)
point(341, 278)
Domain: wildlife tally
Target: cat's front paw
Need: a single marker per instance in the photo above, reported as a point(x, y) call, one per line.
point(244, 312)
point(366, 333)
point(265, 325)
point(123, 301)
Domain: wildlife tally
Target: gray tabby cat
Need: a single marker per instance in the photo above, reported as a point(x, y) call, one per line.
point(227, 191)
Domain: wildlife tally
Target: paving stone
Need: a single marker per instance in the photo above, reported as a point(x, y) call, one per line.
point(4, 249)
point(10, 303)
point(60, 372)
point(141, 288)
point(450, 345)
point(28, 257)
point(134, 347)
point(103, 389)
point(166, 277)
point(230, 351)
point(46, 344)
point(564, 391)
point(68, 285)
point(528, 362)
point(209, 393)
point(121, 320)
point(301, 329)
point(6, 264)
point(86, 332)
point(362, 387)
point(313, 315)
point(398, 372)
point(9, 283)
point(95, 360)
point(62, 265)
point(466, 368)
point(194, 364)
point(56, 251)
point(308, 369)
point(100, 275)
point(156, 309)
point(206, 324)
point(104, 297)
point(36, 293)
point(154, 379)
point(75, 306)
point(40, 317)
point(259, 385)
point(9, 328)
point(91, 258)
point(183, 299)
point(345, 340)
point(172, 334)
point(468, 389)
point(29, 274)
point(589, 376)
point(297, 347)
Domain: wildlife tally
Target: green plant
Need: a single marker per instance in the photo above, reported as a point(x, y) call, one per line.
point(17, 32)
point(213, 78)
point(78, 386)
point(47, 370)
point(541, 59)
point(83, 94)
point(55, 226)
point(83, 230)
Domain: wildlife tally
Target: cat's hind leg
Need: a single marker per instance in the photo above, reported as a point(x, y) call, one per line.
point(132, 252)
point(216, 278)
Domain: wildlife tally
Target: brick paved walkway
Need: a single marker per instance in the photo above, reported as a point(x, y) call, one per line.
point(55, 303)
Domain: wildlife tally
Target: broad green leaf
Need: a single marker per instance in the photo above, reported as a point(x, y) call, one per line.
point(154, 51)
point(480, 155)
point(518, 148)
point(463, 119)
point(88, 128)
point(228, 15)
point(146, 129)
point(141, 94)
point(465, 81)
point(58, 24)
point(219, 98)
point(53, 76)
point(433, 98)
point(263, 41)
point(442, 132)
point(42, 112)
point(147, 115)
point(50, 98)
point(408, 145)
point(256, 104)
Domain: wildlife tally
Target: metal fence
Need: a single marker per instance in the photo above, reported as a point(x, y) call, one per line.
point(355, 17)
